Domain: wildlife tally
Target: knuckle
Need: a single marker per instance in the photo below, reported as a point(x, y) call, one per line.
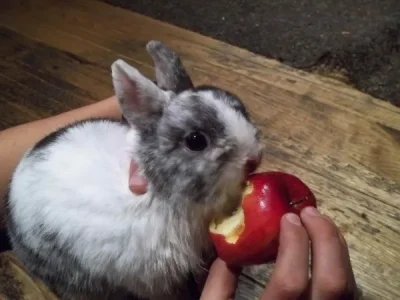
point(291, 286)
point(327, 230)
point(334, 286)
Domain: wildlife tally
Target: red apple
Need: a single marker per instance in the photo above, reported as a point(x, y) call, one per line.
point(250, 235)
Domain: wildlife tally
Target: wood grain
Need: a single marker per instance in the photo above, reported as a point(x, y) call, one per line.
point(17, 284)
point(344, 144)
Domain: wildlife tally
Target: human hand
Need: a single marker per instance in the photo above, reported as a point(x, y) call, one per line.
point(331, 272)
point(332, 275)
point(137, 183)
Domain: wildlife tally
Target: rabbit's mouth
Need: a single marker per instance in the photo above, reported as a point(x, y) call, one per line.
point(234, 194)
point(230, 188)
point(229, 200)
point(252, 164)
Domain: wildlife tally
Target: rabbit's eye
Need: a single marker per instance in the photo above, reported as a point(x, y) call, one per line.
point(196, 141)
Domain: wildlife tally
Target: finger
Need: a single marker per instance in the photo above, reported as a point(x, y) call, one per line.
point(332, 276)
point(137, 183)
point(352, 284)
point(221, 282)
point(290, 276)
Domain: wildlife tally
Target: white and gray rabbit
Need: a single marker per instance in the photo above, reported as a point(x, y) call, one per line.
point(75, 224)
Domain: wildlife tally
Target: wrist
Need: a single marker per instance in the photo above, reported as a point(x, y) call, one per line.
point(108, 108)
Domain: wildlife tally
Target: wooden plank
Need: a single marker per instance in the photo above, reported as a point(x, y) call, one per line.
point(87, 22)
point(370, 228)
point(248, 289)
point(12, 115)
point(28, 90)
point(354, 145)
point(42, 68)
point(344, 144)
point(16, 283)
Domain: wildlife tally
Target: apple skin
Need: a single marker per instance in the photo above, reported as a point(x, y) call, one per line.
point(272, 194)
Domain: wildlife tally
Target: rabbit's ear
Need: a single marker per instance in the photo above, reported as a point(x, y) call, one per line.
point(170, 73)
point(137, 95)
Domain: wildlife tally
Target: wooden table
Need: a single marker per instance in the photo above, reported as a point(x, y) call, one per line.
point(56, 55)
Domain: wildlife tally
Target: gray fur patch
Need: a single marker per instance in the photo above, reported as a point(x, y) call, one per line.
point(55, 135)
point(170, 72)
point(170, 166)
point(229, 98)
point(52, 263)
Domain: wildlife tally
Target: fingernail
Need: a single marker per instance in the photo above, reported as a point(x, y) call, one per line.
point(138, 185)
point(137, 181)
point(293, 218)
point(311, 211)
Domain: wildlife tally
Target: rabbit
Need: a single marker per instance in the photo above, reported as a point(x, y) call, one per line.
point(74, 223)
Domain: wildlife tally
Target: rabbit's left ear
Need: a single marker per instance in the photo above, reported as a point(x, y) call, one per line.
point(170, 72)
point(139, 97)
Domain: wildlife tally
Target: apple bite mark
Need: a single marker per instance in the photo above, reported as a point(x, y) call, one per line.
point(232, 227)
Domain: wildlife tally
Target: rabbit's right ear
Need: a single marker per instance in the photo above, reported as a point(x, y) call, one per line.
point(170, 73)
point(137, 95)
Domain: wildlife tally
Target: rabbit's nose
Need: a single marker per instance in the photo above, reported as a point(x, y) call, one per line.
point(252, 163)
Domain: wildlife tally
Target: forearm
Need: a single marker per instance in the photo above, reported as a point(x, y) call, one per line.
point(16, 140)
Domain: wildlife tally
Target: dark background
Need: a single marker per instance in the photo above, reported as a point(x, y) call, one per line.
point(358, 38)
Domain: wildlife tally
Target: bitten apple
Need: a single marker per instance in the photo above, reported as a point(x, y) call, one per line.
point(250, 235)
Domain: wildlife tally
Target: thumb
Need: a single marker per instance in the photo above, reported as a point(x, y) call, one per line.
point(221, 282)
point(137, 183)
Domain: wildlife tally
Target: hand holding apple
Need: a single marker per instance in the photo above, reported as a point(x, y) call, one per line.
point(250, 235)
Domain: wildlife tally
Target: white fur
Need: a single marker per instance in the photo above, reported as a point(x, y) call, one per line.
point(88, 202)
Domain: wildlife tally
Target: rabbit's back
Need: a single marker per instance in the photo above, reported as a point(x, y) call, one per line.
point(75, 224)
point(68, 202)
